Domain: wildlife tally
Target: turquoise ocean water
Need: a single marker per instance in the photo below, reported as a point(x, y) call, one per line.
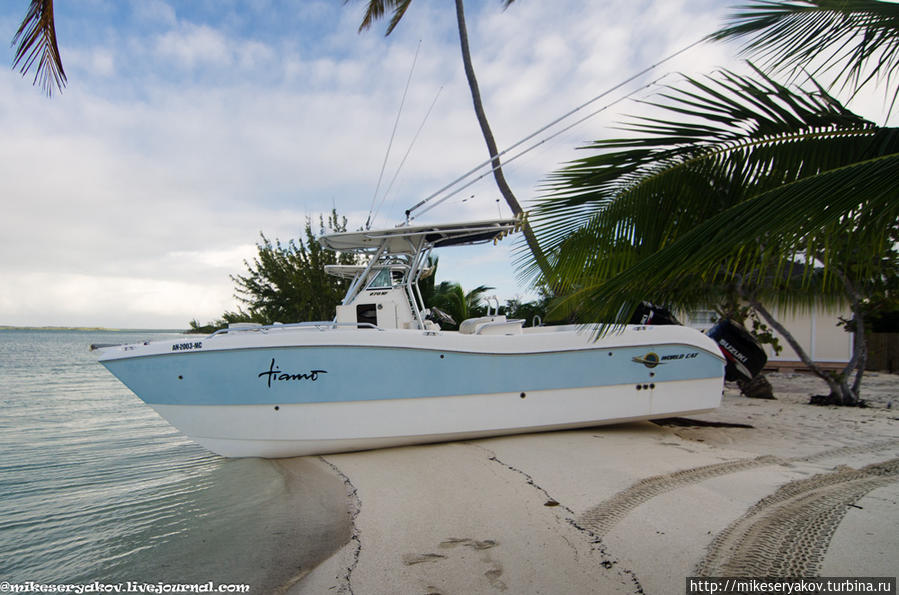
point(95, 486)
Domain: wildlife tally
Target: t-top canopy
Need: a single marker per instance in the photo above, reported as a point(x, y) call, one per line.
point(411, 239)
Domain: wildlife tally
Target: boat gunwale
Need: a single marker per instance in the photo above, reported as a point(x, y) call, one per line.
point(584, 347)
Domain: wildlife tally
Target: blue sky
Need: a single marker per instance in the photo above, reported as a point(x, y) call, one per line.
point(189, 127)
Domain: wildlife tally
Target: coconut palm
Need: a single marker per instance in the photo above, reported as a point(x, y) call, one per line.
point(452, 299)
point(37, 47)
point(378, 9)
point(743, 179)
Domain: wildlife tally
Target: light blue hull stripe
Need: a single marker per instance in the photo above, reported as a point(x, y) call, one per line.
point(339, 374)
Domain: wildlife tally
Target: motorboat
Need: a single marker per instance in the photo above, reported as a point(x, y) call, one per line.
point(384, 373)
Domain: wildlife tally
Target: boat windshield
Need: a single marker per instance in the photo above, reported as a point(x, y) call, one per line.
point(386, 279)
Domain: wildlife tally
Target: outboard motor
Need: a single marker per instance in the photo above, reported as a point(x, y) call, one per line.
point(648, 313)
point(745, 357)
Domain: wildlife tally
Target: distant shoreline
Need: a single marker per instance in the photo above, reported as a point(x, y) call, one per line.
point(89, 328)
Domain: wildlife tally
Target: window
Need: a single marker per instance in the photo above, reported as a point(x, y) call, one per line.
point(381, 280)
point(386, 279)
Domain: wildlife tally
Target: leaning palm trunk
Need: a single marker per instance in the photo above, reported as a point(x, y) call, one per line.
point(840, 391)
point(860, 350)
point(498, 175)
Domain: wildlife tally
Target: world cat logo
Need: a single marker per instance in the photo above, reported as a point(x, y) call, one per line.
point(650, 360)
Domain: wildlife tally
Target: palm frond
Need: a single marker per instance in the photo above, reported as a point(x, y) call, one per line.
point(37, 47)
point(376, 9)
point(398, 13)
point(790, 216)
point(846, 37)
point(647, 213)
point(744, 134)
point(720, 191)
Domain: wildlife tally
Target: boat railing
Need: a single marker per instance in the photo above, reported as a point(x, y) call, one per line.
point(492, 305)
point(318, 325)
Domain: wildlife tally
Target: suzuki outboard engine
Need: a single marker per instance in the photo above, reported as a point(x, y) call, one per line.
point(745, 357)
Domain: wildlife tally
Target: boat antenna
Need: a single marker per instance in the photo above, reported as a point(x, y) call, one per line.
point(392, 135)
point(408, 151)
point(547, 127)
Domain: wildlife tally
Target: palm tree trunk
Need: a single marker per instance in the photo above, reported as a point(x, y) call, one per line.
point(860, 348)
point(838, 389)
point(840, 393)
point(491, 142)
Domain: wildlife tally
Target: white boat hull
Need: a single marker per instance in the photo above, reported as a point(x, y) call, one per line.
point(314, 390)
point(262, 431)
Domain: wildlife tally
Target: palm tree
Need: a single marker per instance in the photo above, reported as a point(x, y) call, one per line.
point(37, 47)
point(744, 179)
point(376, 10)
point(455, 301)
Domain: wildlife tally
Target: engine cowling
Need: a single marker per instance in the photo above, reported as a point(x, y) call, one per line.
point(648, 313)
point(745, 357)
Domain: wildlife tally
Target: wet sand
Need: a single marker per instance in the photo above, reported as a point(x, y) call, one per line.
point(755, 488)
point(302, 541)
point(302, 521)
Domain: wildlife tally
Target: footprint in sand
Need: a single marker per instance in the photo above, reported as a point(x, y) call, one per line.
point(413, 559)
point(492, 573)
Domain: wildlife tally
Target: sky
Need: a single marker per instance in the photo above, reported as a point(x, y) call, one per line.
point(190, 127)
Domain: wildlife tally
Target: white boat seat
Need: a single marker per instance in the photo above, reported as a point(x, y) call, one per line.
point(509, 327)
point(469, 326)
point(491, 325)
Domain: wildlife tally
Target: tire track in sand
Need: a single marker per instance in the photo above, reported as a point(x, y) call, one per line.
point(841, 451)
point(602, 517)
point(788, 532)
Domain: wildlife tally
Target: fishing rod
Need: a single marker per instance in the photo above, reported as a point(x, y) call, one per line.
point(489, 162)
point(534, 146)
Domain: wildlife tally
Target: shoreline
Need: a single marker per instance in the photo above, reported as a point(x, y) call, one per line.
point(757, 489)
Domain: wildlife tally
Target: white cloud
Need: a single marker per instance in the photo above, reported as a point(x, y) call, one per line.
point(95, 62)
point(154, 11)
point(229, 259)
point(192, 46)
point(125, 301)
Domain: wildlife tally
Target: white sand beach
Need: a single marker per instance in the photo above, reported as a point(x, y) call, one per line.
point(755, 488)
